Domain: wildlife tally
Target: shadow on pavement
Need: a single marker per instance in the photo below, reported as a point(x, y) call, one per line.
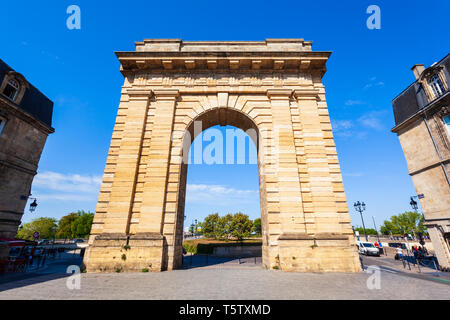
point(56, 269)
point(203, 260)
point(28, 279)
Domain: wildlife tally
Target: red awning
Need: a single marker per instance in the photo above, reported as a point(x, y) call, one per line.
point(13, 242)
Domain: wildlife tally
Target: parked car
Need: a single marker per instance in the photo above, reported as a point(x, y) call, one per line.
point(78, 240)
point(368, 249)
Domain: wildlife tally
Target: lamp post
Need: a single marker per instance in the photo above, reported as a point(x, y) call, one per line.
point(413, 204)
point(415, 207)
point(360, 207)
point(33, 205)
point(375, 225)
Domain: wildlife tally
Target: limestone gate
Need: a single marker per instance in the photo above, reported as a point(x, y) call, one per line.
point(274, 87)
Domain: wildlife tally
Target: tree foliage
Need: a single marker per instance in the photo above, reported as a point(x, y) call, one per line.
point(65, 226)
point(241, 226)
point(223, 228)
point(369, 231)
point(406, 222)
point(75, 225)
point(46, 227)
point(81, 227)
point(257, 226)
point(210, 225)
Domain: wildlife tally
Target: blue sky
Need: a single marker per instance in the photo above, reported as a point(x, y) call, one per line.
point(78, 70)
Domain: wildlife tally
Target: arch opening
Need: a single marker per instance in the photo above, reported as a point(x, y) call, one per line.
point(235, 155)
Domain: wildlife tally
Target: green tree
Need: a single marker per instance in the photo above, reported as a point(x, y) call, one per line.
point(65, 226)
point(81, 227)
point(240, 226)
point(257, 226)
point(224, 227)
point(46, 227)
point(210, 226)
point(368, 231)
point(75, 225)
point(402, 223)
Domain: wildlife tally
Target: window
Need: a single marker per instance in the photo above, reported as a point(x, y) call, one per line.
point(436, 84)
point(2, 124)
point(11, 89)
point(447, 123)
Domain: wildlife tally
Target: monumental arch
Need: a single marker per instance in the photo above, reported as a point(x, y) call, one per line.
point(274, 87)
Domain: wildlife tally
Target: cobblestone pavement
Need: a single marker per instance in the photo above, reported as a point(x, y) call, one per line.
point(223, 281)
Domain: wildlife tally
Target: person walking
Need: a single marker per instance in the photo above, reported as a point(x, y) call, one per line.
point(399, 253)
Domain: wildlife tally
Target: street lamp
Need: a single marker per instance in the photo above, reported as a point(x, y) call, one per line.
point(33, 205)
point(360, 207)
point(413, 204)
point(375, 225)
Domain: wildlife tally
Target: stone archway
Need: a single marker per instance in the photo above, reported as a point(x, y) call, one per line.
point(272, 86)
point(221, 115)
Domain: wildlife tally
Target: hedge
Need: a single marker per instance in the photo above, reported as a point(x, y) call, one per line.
point(206, 246)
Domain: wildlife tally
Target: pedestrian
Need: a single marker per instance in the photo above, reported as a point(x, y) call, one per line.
point(415, 251)
point(399, 254)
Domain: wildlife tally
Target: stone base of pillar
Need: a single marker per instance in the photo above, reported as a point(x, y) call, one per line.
point(112, 252)
point(441, 249)
point(4, 251)
point(325, 252)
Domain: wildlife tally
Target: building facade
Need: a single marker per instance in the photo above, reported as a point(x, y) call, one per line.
point(25, 123)
point(422, 123)
point(173, 90)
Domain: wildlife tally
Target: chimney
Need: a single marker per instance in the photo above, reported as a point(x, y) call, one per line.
point(417, 69)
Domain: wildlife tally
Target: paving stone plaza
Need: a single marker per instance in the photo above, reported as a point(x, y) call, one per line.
point(228, 281)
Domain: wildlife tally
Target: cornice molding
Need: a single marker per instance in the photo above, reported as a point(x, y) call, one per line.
point(306, 94)
point(166, 95)
point(277, 94)
point(145, 61)
point(136, 93)
point(11, 108)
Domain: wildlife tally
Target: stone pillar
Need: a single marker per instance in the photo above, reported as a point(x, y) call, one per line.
point(440, 244)
point(158, 214)
point(327, 245)
point(285, 198)
point(289, 196)
point(109, 249)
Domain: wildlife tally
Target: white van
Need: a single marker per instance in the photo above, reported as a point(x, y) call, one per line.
point(368, 249)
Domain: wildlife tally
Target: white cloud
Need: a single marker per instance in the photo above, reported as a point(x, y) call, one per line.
point(354, 102)
point(374, 83)
point(218, 194)
point(69, 187)
point(372, 120)
point(341, 125)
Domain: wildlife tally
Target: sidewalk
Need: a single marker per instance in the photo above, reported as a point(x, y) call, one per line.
point(55, 267)
point(389, 264)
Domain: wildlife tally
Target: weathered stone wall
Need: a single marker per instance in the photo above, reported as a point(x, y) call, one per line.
point(21, 142)
point(428, 163)
point(238, 251)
